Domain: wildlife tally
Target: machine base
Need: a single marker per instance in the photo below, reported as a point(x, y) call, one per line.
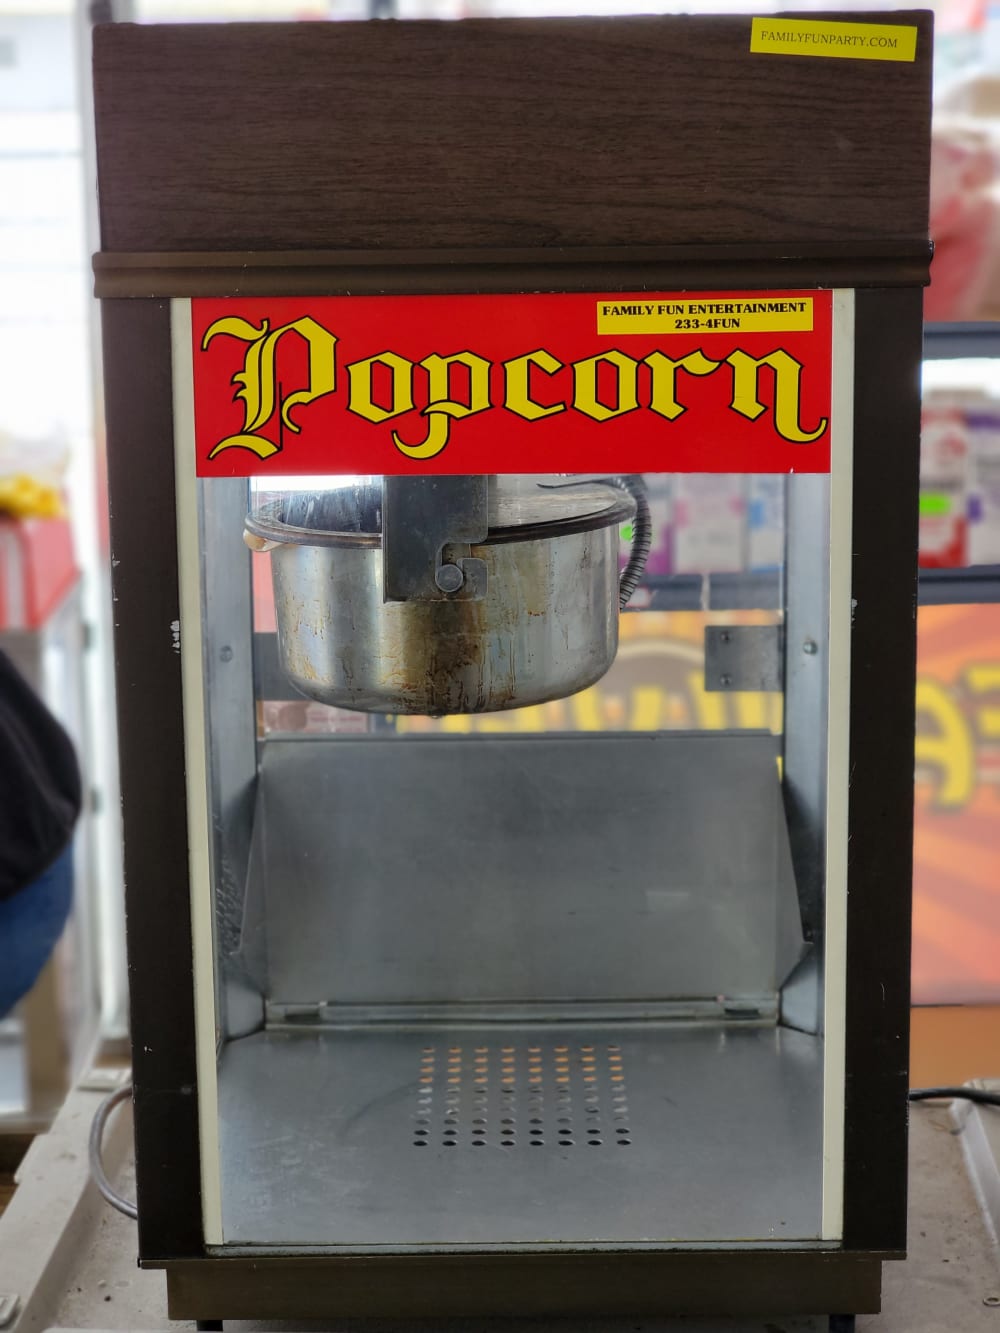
point(581, 1286)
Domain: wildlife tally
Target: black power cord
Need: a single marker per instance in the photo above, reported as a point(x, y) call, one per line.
point(965, 1094)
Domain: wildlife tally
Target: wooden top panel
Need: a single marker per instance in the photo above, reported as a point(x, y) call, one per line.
point(503, 133)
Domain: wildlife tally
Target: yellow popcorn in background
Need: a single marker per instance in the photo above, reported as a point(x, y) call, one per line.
point(24, 496)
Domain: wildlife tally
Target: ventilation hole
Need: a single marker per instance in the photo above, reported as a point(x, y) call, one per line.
point(448, 1143)
point(565, 1120)
point(624, 1143)
point(420, 1143)
point(594, 1143)
point(479, 1143)
point(566, 1143)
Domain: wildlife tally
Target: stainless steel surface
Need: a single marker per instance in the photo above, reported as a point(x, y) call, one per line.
point(574, 869)
point(420, 517)
point(546, 626)
point(743, 657)
point(528, 1136)
point(807, 665)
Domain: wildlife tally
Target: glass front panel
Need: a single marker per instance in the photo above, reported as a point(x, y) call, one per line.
point(519, 899)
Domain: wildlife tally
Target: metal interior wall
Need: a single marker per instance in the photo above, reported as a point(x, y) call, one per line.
point(227, 651)
point(559, 868)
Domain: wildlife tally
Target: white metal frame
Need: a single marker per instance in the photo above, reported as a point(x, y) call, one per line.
point(189, 633)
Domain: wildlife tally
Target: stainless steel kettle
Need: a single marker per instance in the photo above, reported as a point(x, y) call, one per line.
point(545, 626)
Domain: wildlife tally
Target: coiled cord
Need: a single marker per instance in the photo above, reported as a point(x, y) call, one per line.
point(642, 535)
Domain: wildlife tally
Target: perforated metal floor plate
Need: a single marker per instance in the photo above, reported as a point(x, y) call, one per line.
point(536, 1094)
point(505, 1136)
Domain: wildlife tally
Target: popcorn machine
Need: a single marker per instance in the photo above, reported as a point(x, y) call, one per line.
point(402, 321)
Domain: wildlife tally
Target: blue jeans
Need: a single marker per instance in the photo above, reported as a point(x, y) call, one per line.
point(30, 925)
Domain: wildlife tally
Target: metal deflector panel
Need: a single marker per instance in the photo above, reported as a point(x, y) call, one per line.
point(554, 869)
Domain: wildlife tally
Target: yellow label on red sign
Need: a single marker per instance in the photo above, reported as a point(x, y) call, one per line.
point(818, 37)
point(705, 315)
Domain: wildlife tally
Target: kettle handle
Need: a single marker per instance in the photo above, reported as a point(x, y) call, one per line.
point(258, 544)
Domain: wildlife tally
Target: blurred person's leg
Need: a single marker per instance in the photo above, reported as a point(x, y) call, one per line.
point(30, 925)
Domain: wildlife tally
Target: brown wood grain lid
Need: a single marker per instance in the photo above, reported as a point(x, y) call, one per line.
point(511, 134)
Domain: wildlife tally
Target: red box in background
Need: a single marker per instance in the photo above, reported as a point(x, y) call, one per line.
point(37, 569)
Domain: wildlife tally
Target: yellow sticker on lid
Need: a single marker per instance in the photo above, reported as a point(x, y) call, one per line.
point(707, 314)
point(818, 37)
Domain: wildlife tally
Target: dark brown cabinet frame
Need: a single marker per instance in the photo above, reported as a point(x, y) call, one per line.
point(510, 156)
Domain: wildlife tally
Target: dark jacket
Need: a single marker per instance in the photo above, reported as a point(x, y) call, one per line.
point(40, 791)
